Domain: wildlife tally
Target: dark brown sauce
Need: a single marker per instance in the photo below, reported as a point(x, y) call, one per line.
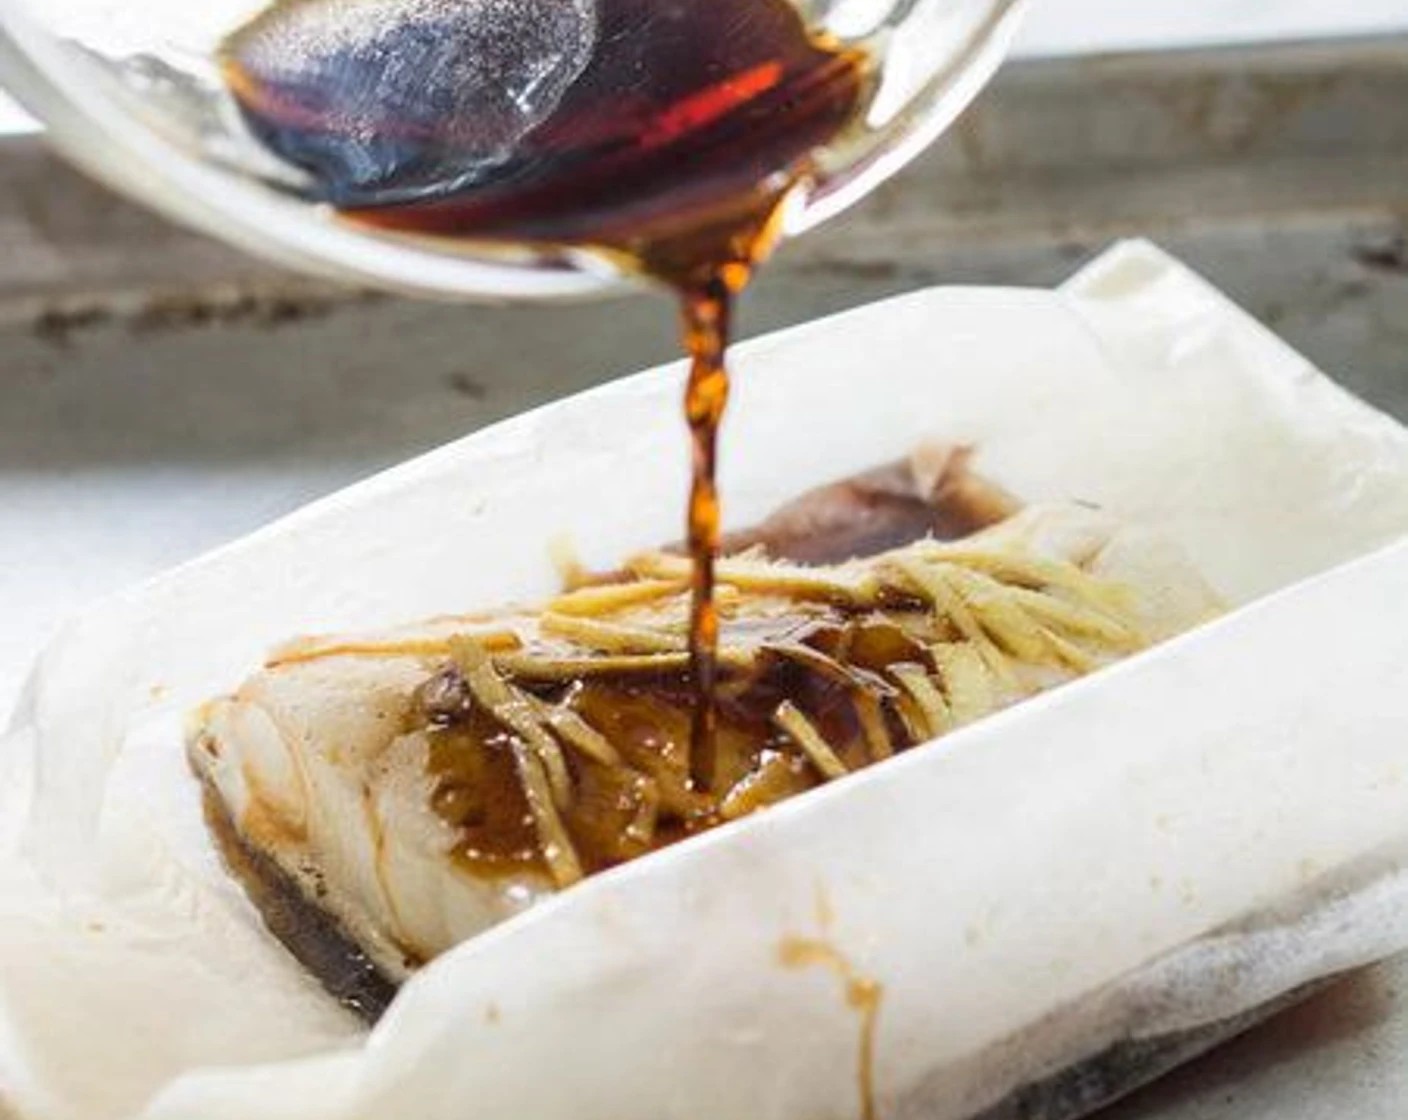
point(478, 793)
point(706, 317)
point(666, 133)
point(649, 721)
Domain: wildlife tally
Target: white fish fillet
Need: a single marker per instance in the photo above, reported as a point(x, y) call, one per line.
point(311, 761)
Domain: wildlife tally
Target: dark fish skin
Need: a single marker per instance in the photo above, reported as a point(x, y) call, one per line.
point(311, 934)
point(932, 493)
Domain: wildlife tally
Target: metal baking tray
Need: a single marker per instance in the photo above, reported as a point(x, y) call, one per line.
point(159, 393)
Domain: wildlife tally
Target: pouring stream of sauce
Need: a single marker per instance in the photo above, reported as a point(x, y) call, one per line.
point(666, 135)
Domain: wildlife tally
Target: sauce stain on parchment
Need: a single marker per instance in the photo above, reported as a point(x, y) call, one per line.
point(863, 996)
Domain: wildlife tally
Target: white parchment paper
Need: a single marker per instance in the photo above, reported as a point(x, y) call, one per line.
point(1170, 842)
